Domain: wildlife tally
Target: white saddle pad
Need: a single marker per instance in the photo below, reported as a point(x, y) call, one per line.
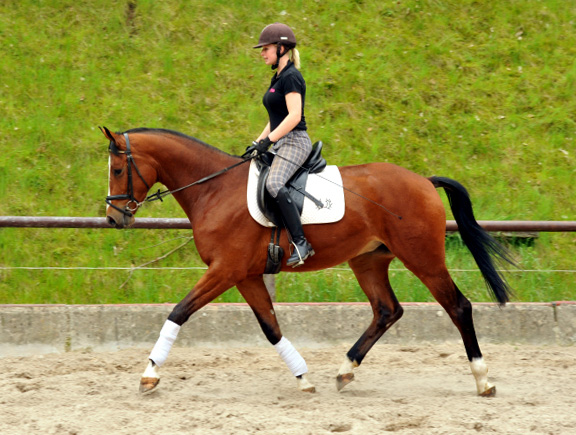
point(326, 187)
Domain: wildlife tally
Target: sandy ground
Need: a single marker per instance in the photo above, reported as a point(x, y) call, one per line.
point(423, 389)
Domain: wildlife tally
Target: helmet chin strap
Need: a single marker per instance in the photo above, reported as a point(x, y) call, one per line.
point(278, 55)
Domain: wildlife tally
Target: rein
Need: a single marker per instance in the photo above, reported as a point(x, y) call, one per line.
point(159, 195)
point(129, 211)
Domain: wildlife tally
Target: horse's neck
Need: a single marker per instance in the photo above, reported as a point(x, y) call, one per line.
point(181, 164)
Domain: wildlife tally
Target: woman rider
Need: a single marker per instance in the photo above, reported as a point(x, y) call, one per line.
point(286, 129)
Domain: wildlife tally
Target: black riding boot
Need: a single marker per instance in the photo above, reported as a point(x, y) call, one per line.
point(291, 217)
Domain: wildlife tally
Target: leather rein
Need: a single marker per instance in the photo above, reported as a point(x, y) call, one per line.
point(129, 210)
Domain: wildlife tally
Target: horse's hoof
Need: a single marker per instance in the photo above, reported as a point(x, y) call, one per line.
point(343, 380)
point(490, 392)
point(305, 385)
point(148, 384)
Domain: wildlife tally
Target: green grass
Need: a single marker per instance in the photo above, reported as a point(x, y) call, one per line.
point(482, 93)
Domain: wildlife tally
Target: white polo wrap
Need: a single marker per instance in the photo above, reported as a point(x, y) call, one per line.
point(162, 347)
point(291, 357)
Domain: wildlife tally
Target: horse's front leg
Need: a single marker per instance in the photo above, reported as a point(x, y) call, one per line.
point(256, 295)
point(209, 287)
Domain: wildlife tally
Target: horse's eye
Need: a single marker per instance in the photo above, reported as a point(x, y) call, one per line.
point(118, 172)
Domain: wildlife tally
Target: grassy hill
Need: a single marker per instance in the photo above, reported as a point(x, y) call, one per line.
point(482, 92)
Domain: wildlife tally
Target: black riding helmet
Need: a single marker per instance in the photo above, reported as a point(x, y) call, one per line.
point(279, 34)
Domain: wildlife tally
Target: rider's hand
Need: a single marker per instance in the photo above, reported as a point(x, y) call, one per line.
point(263, 145)
point(250, 150)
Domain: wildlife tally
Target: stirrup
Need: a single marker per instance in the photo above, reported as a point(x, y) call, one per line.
point(296, 259)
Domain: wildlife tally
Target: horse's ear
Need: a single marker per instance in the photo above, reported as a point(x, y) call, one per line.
point(107, 133)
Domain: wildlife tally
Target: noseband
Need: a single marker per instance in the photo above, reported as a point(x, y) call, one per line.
point(127, 210)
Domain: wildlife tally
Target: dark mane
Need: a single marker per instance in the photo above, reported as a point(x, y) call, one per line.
point(164, 132)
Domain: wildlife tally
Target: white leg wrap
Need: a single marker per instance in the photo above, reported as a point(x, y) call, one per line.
point(162, 347)
point(291, 357)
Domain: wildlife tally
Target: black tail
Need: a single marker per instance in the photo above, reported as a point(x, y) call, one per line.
point(482, 245)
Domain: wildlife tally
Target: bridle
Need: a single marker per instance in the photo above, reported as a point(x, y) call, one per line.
point(127, 210)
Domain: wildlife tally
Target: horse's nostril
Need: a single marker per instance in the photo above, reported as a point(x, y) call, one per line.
point(111, 221)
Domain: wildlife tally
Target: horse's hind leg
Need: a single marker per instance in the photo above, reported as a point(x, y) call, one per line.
point(461, 315)
point(256, 295)
point(371, 270)
point(459, 309)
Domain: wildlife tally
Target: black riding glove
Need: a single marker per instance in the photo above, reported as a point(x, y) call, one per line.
point(263, 145)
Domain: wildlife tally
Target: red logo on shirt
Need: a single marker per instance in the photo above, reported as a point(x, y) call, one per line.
point(272, 90)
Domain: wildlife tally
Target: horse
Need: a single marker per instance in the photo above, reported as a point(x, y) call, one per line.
point(390, 212)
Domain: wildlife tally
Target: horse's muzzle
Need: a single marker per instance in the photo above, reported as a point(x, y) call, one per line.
point(118, 220)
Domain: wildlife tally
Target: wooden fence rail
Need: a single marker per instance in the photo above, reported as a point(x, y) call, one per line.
point(184, 224)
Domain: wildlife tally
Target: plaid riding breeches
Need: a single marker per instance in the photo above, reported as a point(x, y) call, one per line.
point(291, 153)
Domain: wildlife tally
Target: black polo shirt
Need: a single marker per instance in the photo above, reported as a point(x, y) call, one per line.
point(274, 100)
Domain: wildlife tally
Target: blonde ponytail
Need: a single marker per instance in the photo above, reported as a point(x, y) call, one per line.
point(295, 58)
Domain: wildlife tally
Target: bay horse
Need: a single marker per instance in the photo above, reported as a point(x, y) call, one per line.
point(390, 213)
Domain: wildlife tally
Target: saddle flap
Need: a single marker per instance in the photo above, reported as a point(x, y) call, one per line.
point(262, 194)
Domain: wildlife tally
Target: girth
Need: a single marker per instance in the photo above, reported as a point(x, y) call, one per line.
point(296, 185)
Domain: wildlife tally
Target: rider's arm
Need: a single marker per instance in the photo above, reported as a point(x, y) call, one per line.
point(264, 133)
point(294, 105)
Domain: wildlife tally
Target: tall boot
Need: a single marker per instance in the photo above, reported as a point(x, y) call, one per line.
point(291, 218)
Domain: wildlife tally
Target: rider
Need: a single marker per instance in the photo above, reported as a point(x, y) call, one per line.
point(286, 129)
